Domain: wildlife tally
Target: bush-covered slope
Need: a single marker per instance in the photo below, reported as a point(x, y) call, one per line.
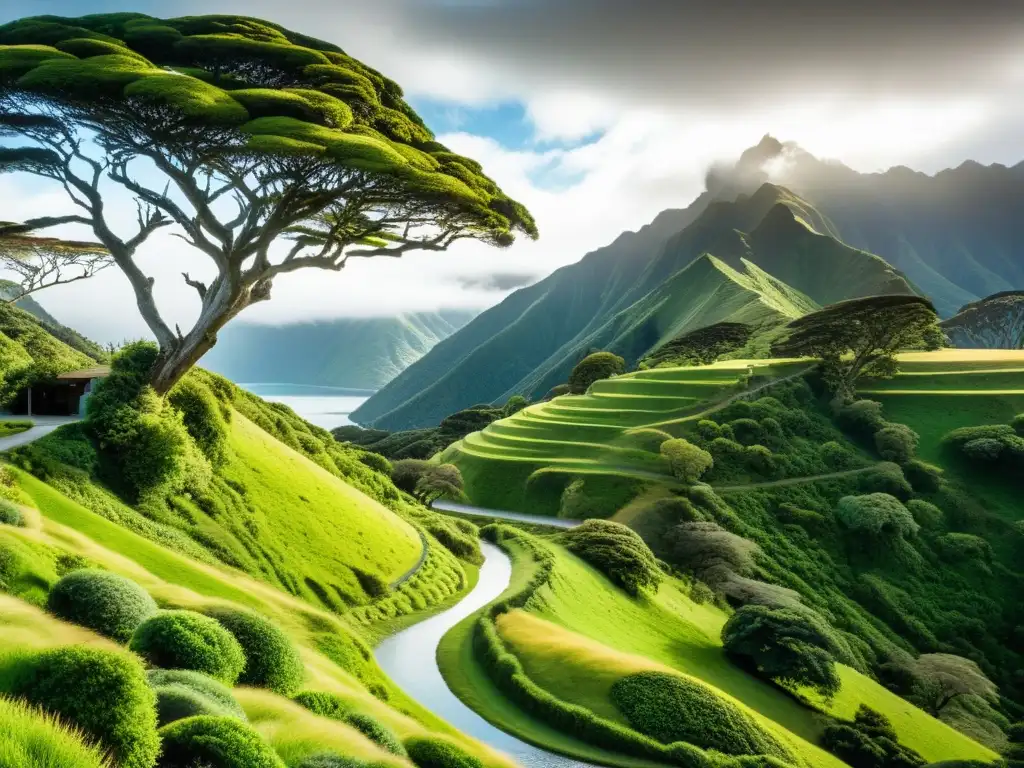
point(670, 290)
point(355, 353)
point(31, 350)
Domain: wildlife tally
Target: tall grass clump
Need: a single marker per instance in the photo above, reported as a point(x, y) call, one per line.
point(102, 601)
point(30, 738)
point(104, 694)
point(10, 514)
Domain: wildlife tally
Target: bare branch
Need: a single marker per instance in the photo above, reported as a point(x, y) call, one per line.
point(200, 287)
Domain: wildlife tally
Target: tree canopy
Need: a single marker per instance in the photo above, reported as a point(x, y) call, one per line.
point(42, 262)
point(258, 134)
point(594, 367)
point(861, 337)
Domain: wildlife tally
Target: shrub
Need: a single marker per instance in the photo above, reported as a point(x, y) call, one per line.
point(924, 477)
point(686, 461)
point(673, 708)
point(176, 702)
point(896, 442)
point(708, 429)
point(1015, 751)
point(878, 514)
point(202, 416)
point(271, 659)
point(886, 478)
point(200, 684)
point(439, 481)
point(616, 551)
point(723, 448)
point(925, 514)
point(787, 645)
point(836, 456)
point(746, 431)
point(407, 472)
point(596, 366)
point(862, 417)
point(102, 601)
point(960, 437)
point(1017, 422)
point(961, 547)
point(986, 450)
point(10, 514)
point(457, 541)
point(376, 462)
point(32, 739)
point(324, 704)
point(102, 693)
point(760, 459)
point(223, 742)
point(704, 547)
point(377, 732)
point(869, 741)
point(427, 752)
point(189, 640)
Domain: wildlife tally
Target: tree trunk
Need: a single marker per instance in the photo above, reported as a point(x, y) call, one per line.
point(220, 305)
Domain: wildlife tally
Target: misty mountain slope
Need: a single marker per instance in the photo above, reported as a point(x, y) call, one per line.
point(957, 235)
point(533, 350)
point(356, 353)
point(508, 341)
point(995, 322)
point(65, 335)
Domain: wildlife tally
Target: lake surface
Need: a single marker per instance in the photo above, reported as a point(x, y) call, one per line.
point(327, 407)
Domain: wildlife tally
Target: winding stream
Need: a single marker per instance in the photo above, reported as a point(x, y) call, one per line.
point(410, 659)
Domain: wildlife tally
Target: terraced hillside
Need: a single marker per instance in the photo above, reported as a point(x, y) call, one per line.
point(524, 461)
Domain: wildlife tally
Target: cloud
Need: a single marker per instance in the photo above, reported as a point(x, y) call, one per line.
point(496, 281)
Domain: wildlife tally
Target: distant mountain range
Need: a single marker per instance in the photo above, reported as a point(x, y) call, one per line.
point(352, 353)
point(743, 251)
point(995, 322)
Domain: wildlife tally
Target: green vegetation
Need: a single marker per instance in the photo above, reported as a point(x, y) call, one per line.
point(10, 427)
point(703, 346)
point(182, 693)
point(271, 659)
point(861, 337)
point(102, 601)
point(686, 461)
point(30, 738)
point(617, 552)
point(870, 741)
point(10, 514)
point(673, 708)
point(188, 640)
point(332, 129)
point(435, 753)
point(594, 367)
point(220, 741)
point(102, 693)
point(439, 481)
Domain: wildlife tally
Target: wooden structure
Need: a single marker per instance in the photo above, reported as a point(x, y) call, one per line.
point(65, 395)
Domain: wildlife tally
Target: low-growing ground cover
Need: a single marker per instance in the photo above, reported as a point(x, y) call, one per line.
point(10, 427)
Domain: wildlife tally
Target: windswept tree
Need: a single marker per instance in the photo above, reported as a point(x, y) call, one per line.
point(265, 150)
point(861, 337)
point(42, 262)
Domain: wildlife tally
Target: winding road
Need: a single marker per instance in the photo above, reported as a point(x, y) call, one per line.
point(41, 427)
point(410, 659)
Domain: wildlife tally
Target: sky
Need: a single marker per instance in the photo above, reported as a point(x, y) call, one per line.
point(598, 114)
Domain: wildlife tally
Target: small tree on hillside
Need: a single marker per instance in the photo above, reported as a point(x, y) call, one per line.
point(440, 481)
point(686, 460)
point(594, 367)
point(240, 135)
point(939, 678)
point(860, 337)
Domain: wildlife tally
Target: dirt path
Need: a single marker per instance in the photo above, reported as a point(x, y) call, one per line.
point(792, 480)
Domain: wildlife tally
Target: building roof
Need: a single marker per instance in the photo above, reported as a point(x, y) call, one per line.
point(98, 372)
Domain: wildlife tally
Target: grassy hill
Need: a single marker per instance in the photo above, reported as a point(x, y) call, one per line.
point(782, 463)
point(357, 353)
point(762, 258)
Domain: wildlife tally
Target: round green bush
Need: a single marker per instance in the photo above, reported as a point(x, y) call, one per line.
point(176, 702)
point(923, 477)
point(896, 442)
point(201, 685)
point(377, 732)
point(102, 601)
point(686, 461)
point(219, 742)
point(878, 514)
point(31, 739)
point(926, 514)
point(594, 367)
point(10, 514)
point(102, 693)
point(189, 640)
point(324, 704)
point(427, 752)
point(616, 551)
point(330, 760)
point(672, 708)
point(271, 658)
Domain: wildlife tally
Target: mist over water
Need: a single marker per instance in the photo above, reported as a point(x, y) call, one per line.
point(327, 407)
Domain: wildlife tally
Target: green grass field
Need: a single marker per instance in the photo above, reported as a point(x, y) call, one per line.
point(585, 435)
point(579, 634)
